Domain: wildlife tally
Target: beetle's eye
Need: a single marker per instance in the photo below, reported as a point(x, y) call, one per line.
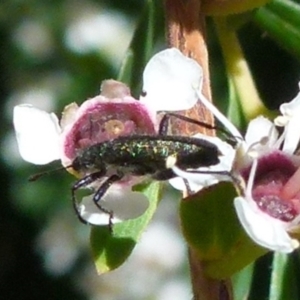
point(143, 93)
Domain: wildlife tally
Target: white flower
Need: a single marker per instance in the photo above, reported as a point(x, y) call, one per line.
point(266, 231)
point(269, 207)
point(37, 134)
point(266, 215)
point(168, 78)
point(121, 200)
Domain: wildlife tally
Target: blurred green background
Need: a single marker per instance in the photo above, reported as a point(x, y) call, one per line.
point(56, 52)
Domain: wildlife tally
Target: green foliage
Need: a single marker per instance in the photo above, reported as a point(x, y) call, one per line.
point(211, 227)
point(280, 19)
point(111, 249)
point(284, 281)
point(242, 282)
point(228, 7)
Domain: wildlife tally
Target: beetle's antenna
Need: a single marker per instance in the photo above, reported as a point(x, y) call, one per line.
point(39, 175)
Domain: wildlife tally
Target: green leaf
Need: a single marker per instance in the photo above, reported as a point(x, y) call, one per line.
point(228, 7)
point(287, 10)
point(283, 280)
point(241, 83)
point(234, 111)
point(211, 227)
point(110, 250)
point(142, 44)
point(280, 19)
point(241, 282)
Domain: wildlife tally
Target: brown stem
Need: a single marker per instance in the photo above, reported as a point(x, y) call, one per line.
point(205, 288)
point(186, 31)
point(185, 28)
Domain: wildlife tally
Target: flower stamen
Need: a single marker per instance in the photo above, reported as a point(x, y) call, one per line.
point(251, 178)
point(213, 109)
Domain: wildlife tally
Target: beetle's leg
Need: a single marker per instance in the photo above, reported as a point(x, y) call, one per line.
point(223, 173)
point(164, 125)
point(188, 187)
point(101, 192)
point(81, 183)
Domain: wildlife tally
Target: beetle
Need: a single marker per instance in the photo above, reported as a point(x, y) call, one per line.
point(140, 155)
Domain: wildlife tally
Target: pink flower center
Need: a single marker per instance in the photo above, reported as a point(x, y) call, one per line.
point(104, 121)
point(272, 174)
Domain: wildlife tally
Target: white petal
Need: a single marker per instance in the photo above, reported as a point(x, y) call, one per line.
point(263, 229)
point(169, 81)
point(289, 109)
point(37, 134)
point(121, 201)
point(292, 135)
point(291, 113)
point(197, 180)
point(259, 129)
